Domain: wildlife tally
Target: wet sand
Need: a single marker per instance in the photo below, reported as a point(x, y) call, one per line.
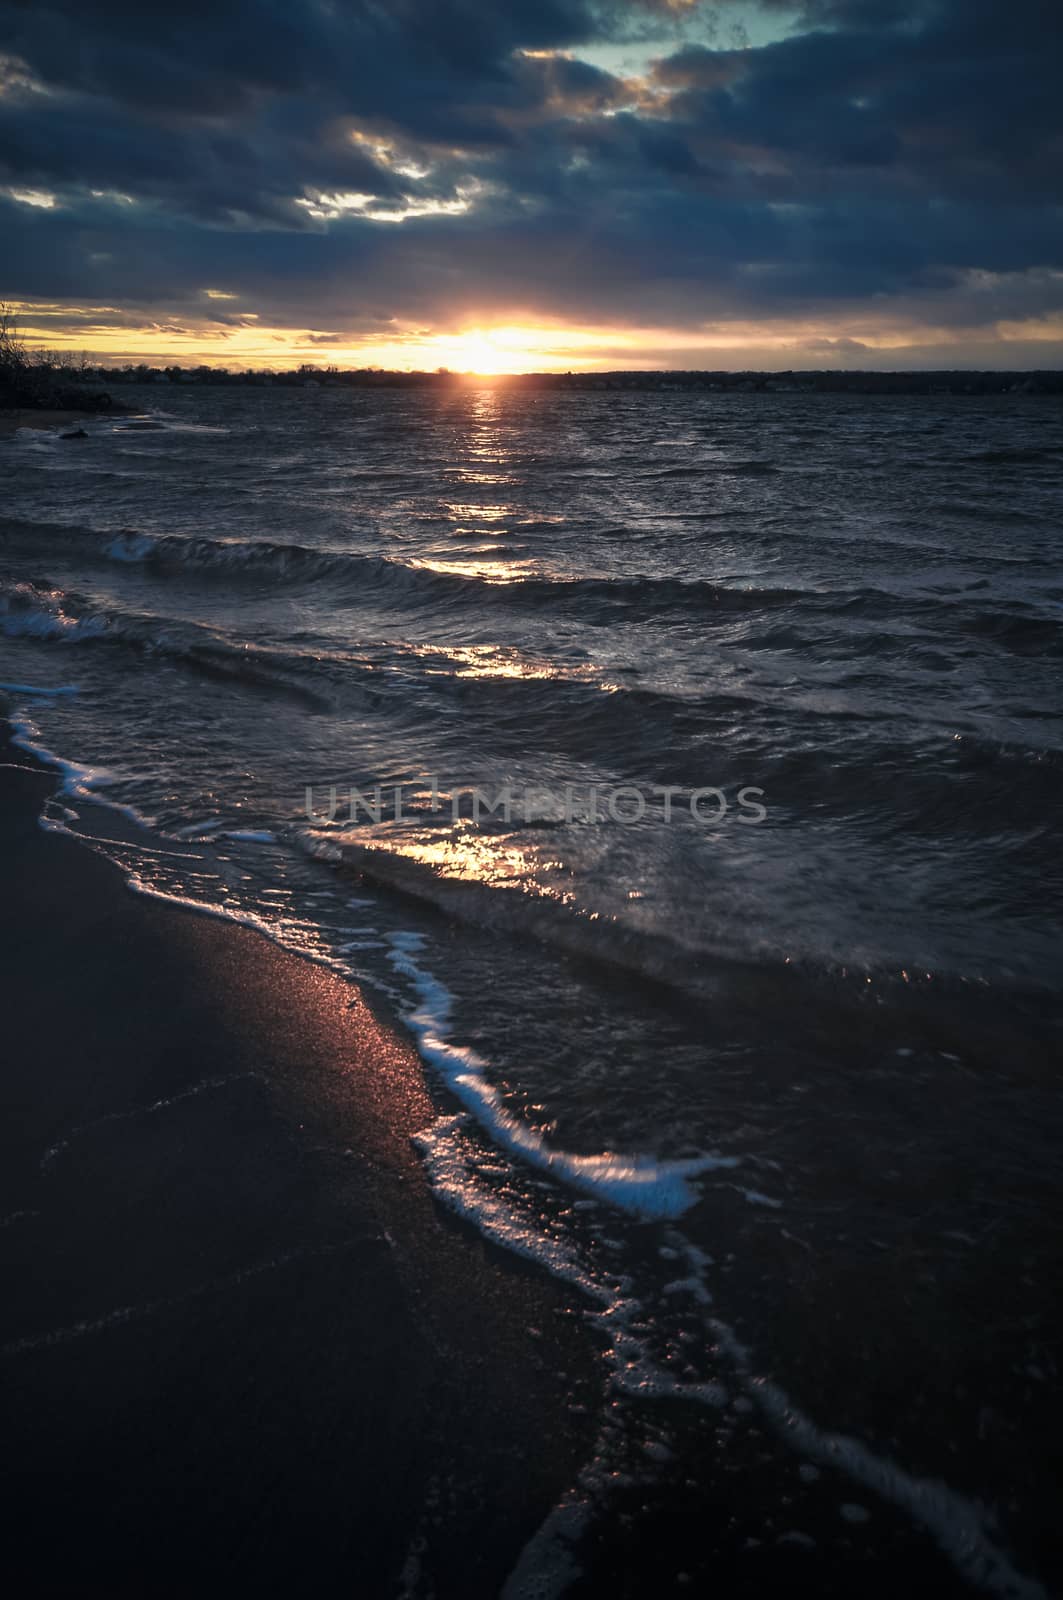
point(241, 1349)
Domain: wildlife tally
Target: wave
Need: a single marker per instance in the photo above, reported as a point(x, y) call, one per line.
point(263, 558)
point(35, 611)
point(577, 710)
point(1021, 632)
point(660, 959)
point(650, 734)
point(742, 968)
point(388, 580)
point(31, 611)
point(598, 600)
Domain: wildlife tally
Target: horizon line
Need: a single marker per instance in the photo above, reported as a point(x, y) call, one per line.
point(311, 369)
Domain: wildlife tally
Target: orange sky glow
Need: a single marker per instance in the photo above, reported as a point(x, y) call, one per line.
point(109, 336)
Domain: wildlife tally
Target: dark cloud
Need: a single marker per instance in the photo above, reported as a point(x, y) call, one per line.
point(896, 159)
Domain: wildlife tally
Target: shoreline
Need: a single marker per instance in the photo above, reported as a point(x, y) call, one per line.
point(240, 1327)
point(230, 1128)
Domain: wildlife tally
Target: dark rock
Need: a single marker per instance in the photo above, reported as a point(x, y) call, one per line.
point(76, 433)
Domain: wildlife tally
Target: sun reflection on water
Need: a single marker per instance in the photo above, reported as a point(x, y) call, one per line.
point(466, 855)
point(469, 512)
point(500, 572)
point(502, 661)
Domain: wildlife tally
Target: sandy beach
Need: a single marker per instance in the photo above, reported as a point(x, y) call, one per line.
point(240, 1341)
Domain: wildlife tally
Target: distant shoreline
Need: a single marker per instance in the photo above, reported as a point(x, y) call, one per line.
point(781, 382)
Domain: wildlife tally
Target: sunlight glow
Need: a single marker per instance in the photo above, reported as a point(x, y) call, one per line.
point(327, 207)
point(465, 855)
point(490, 352)
point(42, 198)
point(244, 338)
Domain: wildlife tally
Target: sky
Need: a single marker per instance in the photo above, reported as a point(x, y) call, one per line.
point(515, 185)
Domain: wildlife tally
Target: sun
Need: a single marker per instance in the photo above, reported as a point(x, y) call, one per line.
point(476, 352)
point(487, 353)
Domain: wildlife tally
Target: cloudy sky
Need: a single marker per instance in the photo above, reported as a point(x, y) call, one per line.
point(516, 184)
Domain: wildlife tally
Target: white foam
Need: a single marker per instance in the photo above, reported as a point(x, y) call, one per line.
point(45, 624)
point(100, 841)
point(244, 919)
point(957, 1525)
point(639, 1184)
point(289, 934)
point(78, 781)
point(954, 1522)
point(17, 1216)
point(42, 440)
point(130, 547)
point(756, 1198)
point(174, 425)
point(252, 835)
point(547, 1567)
point(445, 1151)
point(35, 689)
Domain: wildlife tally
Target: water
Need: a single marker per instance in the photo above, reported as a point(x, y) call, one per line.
point(814, 1048)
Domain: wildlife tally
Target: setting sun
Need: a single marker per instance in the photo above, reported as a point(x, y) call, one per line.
point(491, 352)
point(479, 352)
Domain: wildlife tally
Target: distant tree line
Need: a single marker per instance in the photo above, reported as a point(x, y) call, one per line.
point(789, 382)
point(36, 380)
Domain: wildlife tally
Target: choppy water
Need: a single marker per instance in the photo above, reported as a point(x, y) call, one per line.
point(820, 1047)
